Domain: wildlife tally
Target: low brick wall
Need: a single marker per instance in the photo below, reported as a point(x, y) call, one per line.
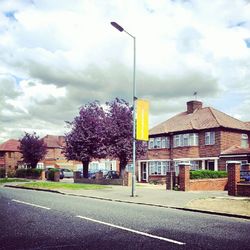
point(219, 184)
point(100, 182)
point(157, 178)
point(243, 189)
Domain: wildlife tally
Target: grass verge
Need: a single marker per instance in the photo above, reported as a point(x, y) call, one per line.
point(6, 180)
point(58, 185)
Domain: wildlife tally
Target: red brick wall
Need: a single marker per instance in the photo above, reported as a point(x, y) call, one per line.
point(158, 153)
point(157, 178)
point(208, 184)
point(243, 189)
point(12, 159)
point(233, 177)
point(228, 139)
point(209, 150)
point(186, 152)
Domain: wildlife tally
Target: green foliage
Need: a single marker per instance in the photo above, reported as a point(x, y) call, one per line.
point(207, 174)
point(29, 172)
point(68, 186)
point(51, 173)
point(2, 172)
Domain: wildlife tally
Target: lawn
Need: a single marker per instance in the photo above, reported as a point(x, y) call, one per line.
point(6, 180)
point(58, 185)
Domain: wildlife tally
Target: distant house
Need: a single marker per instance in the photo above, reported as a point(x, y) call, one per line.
point(10, 155)
point(202, 136)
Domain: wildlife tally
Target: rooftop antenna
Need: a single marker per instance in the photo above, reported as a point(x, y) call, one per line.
point(195, 95)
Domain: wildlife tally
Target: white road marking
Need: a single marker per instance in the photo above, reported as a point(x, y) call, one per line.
point(133, 231)
point(34, 205)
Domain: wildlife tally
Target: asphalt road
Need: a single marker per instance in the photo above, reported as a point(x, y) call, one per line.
point(42, 220)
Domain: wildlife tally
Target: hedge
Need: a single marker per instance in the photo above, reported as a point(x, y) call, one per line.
point(207, 174)
point(29, 172)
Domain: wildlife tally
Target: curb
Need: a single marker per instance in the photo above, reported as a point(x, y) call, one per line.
point(138, 203)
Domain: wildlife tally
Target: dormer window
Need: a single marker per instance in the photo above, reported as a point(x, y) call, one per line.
point(244, 141)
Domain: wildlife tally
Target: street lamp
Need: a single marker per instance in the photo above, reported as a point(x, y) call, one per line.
point(117, 26)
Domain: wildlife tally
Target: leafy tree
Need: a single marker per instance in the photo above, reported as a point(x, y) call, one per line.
point(32, 149)
point(87, 138)
point(120, 133)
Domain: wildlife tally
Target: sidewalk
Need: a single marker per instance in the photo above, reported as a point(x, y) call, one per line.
point(217, 202)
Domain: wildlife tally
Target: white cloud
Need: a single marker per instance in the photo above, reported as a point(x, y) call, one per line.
point(56, 56)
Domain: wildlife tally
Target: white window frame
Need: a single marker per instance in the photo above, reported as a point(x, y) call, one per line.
point(244, 141)
point(158, 167)
point(210, 138)
point(186, 140)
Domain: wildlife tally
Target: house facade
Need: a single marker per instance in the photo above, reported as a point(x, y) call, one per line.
point(202, 136)
point(10, 156)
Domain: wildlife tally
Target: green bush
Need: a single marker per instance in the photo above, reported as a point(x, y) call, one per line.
point(2, 172)
point(207, 174)
point(29, 172)
point(51, 173)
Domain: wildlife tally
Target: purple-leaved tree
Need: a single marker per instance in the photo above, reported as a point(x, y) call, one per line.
point(120, 134)
point(87, 138)
point(32, 149)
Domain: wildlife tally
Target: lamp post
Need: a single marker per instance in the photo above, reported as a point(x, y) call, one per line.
point(118, 27)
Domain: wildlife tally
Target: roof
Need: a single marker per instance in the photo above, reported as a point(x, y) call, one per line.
point(10, 146)
point(236, 150)
point(54, 141)
point(202, 118)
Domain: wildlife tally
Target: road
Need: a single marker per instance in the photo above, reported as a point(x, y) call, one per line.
point(43, 220)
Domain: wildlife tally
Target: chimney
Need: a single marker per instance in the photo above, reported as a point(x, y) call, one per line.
point(193, 105)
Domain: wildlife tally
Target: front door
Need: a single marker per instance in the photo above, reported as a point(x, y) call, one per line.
point(210, 165)
point(144, 171)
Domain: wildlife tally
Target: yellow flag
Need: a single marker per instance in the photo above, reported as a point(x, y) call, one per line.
point(142, 120)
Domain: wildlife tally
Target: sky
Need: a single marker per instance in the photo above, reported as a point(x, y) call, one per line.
point(59, 55)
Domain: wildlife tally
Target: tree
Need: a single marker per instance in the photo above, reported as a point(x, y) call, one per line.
point(32, 149)
point(87, 138)
point(120, 133)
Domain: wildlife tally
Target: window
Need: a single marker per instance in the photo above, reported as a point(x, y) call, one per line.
point(158, 142)
point(209, 138)
point(244, 141)
point(158, 167)
point(185, 140)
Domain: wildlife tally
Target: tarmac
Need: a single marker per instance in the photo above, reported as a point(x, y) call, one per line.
point(212, 202)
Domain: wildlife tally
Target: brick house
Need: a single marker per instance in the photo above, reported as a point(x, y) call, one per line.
point(10, 155)
point(202, 136)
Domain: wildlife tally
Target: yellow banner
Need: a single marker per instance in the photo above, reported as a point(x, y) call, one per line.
point(142, 108)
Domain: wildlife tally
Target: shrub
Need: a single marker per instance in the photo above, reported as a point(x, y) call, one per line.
point(51, 173)
point(2, 172)
point(29, 172)
point(207, 174)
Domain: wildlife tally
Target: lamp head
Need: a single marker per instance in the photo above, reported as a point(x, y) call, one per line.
point(117, 26)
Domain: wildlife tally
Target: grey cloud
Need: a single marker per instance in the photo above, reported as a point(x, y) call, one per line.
point(173, 86)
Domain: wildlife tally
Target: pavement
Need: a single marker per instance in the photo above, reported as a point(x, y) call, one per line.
point(213, 202)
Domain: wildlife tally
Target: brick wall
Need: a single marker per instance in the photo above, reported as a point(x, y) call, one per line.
point(158, 154)
point(233, 169)
point(209, 150)
point(159, 179)
point(186, 152)
point(208, 184)
point(236, 188)
point(200, 184)
point(229, 138)
point(243, 189)
point(11, 160)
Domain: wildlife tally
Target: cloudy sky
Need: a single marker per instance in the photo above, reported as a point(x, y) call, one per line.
point(58, 55)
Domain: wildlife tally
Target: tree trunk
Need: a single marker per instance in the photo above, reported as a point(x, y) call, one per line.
point(123, 164)
point(85, 165)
